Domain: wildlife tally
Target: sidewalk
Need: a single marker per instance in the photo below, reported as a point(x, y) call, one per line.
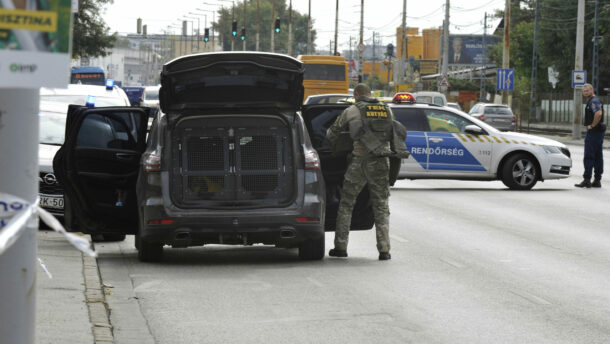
point(70, 307)
point(560, 132)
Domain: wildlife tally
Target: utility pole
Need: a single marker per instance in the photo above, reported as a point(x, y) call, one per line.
point(232, 20)
point(309, 30)
point(361, 51)
point(403, 50)
point(484, 62)
point(290, 29)
point(534, 78)
point(336, 26)
point(595, 63)
point(373, 67)
point(243, 43)
point(272, 49)
point(258, 24)
point(580, 32)
point(445, 61)
point(506, 51)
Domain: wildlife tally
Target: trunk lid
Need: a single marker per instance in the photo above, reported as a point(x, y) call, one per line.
point(231, 80)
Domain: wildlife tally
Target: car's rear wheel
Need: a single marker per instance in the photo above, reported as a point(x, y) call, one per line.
point(149, 251)
point(312, 249)
point(520, 172)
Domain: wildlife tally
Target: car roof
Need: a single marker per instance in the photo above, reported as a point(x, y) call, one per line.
point(86, 90)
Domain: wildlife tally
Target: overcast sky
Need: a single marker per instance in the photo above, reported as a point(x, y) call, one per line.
point(383, 16)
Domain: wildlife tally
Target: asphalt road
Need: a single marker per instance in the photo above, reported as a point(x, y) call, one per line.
point(472, 262)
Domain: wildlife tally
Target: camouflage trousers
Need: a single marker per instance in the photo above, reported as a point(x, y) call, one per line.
point(361, 172)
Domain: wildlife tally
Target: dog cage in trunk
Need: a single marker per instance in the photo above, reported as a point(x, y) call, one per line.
point(232, 161)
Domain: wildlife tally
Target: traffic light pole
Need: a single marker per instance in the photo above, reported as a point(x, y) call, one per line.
point(272, 49)
point(18, 177)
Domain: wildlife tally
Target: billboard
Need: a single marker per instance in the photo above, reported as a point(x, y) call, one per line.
point(35, 43)
point(467, 50)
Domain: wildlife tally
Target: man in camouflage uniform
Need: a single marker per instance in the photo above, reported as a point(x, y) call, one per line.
point(364, 169)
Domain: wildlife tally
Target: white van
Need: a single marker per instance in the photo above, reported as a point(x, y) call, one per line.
point(430, 97)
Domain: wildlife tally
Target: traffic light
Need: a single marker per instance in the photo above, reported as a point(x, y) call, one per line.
point(206, 35)
point(277, 25)
point(234, 28)
point(243, 33)
point(390, 50)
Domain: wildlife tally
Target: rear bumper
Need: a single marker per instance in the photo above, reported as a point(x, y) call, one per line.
point(244, 228)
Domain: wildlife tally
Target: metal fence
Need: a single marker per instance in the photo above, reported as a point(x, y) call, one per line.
point(558, 107)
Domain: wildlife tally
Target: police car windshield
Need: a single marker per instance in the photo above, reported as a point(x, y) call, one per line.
point(52, 128)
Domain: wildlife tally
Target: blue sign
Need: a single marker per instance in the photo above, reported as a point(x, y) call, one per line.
point(579, 78)
point(505, 80)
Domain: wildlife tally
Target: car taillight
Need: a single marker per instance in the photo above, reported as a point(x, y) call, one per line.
point(481, 117)
point(514, 119)
point(312, 161)
point(161, 222)
point(152, 162)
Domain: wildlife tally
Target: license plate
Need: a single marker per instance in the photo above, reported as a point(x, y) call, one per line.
point(52, 202)
point(500, 120)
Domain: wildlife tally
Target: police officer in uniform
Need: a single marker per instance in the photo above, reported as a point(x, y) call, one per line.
point(369, 123)
point(594, 121)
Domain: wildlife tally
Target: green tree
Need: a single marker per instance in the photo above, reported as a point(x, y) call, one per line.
point(90, 33)
point(252, 21)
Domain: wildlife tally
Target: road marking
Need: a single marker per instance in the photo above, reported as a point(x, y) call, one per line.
point(399, 239)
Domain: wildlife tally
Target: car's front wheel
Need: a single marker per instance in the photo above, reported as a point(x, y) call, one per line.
point(312, 249)
point(520, 172)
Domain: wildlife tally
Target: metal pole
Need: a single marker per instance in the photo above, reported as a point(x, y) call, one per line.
point(233, 19)
point(580, 32)
point(595, 63)
point(360, 53)
point(243, 43)
point(290, 29)
point(19, 143)
point(534, 77)
point(483, 62)
point(258, 25)
point(336, 26)
point(506, 51)
point(272, 49)
point(373, 66)
point(403, 49)
point(445, 61)
point(309, 30)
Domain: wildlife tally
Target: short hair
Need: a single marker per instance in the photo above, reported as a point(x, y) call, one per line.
point(362, 90)
point(587, 85)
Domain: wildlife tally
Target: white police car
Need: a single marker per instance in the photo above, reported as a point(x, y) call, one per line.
point(448, 144)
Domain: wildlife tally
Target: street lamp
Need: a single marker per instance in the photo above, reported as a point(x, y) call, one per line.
point(192, 29)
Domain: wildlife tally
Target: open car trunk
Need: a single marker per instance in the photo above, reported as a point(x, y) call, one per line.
point(232, 161)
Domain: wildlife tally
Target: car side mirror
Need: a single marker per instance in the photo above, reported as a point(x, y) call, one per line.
point(474, 130)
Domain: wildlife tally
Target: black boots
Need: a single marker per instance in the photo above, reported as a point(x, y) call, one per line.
point(337, 253)
point(385, 256)
point(586, 183)
point(597, 183)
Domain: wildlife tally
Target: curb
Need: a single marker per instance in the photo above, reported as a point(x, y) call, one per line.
point(99, 313)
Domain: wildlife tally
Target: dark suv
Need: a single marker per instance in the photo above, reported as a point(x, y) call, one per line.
point(227, 161)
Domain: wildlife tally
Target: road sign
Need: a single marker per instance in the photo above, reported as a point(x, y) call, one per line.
point(403, 87)
point(579, 78)
point(505, 80)
point(443, 81)
point(361, 48)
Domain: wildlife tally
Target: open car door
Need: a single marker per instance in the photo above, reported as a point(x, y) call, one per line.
point(318, 118)
point(98, 165)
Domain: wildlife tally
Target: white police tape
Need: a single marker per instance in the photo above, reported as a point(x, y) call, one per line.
point(14, 216)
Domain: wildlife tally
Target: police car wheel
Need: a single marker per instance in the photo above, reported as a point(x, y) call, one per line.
point(312, 249)
point(520, 172)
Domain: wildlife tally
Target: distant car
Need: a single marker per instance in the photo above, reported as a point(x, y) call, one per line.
point(499, 116)
point(327, 99)
point(52, 118)
point(151, 96)
point(135, 94)
point(454, 106)
point(430, 97)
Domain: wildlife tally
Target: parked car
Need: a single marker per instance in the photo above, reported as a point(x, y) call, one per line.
point(430, 97)
point(499, 116)
point(228, 161)
point(135, 94)
point(455, 106)
point(448, 144)
point(53, 107)
point(327, 98)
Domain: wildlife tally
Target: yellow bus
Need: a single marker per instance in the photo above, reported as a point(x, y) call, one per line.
point(325, 74)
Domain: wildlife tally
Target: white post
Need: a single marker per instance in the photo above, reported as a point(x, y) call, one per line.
point(19, 177)
point(578, 63)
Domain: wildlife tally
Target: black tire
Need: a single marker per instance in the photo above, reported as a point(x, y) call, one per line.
point(312, 249)
point(107, 237)
point(520, 172)
point(149, 251)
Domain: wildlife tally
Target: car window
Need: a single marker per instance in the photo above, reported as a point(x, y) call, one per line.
point(319, 124)
point(444, 121)
point(117, 131)
point(498, 110)
point(52, 128)
point(151, 94)
point(439, 101)
point(424, 99)
point(412, 118)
